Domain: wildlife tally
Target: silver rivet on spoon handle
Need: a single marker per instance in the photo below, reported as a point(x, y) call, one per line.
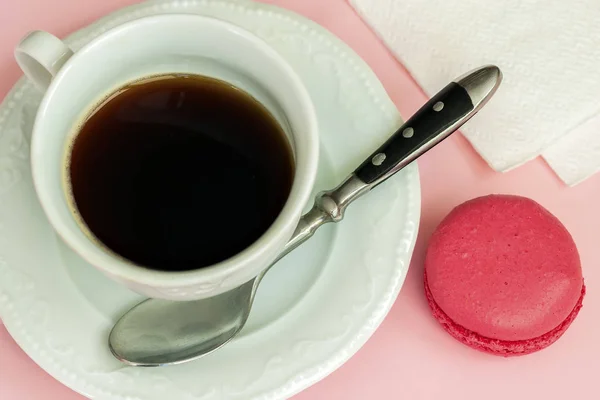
point(161, 332)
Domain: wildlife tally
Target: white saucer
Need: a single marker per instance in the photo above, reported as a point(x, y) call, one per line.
point(315, 309)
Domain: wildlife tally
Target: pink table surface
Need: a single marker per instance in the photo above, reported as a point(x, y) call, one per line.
point(410, 356)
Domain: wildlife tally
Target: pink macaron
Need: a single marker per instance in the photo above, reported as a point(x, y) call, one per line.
point(503, 275)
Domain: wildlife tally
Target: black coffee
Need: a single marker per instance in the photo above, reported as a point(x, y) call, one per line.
point(180, 172)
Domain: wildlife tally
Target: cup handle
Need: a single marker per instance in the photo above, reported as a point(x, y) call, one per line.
point(41, 55)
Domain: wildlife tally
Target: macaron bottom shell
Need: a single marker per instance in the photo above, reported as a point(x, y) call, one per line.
point(506, 348)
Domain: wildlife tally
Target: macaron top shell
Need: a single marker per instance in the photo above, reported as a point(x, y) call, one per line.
point(504, 267)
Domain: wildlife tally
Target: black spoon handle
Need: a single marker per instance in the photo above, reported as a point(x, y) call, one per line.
point(436, 120)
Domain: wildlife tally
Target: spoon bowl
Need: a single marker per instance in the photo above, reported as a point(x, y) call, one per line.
point(158, 332)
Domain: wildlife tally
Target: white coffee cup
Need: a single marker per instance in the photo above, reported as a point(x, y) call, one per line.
point(74, 83)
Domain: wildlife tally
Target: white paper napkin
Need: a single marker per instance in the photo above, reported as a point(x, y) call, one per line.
point(549, 52)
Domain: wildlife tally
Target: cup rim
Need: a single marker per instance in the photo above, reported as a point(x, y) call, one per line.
point(302, 186)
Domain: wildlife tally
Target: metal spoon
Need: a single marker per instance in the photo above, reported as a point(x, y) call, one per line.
point(160, 332)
